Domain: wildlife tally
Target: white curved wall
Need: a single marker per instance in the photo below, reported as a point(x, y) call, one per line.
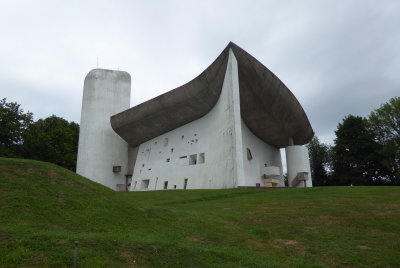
point(105, 93)
point(297, 160)
point(167, 157)
point(220, 135)
point(264, 155)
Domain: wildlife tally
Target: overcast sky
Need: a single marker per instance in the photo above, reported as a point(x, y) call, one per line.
point(338, 57)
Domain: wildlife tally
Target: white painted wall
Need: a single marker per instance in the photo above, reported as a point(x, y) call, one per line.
point(105, 93)
point(263, 155)
point(218, 135)
point(297, 160)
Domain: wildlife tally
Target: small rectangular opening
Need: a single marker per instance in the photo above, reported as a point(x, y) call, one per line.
point(193, 159)
point(116, 169)
point(165, 185)
point(202, 158)
point(185, 181)
point(168, 159)
point(145, 184)
point(134, 187)
point(174, 186)
point(183, 157)
point(249, 156)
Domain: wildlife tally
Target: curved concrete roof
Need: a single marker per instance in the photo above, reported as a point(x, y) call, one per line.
point(267, 106)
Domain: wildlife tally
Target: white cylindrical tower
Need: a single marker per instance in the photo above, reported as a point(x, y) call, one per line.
point(102, 154)
point(298, 166)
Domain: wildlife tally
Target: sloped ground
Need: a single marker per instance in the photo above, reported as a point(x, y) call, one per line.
point(45, 208)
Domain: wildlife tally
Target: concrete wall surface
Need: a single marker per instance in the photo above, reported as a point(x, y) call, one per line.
point(297, 160)
point(105, 93)
point(263, 155)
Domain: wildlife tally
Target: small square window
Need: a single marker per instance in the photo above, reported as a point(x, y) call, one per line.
point(193, 159)
point(116, 169)
point(145, 184)
point(202, 158)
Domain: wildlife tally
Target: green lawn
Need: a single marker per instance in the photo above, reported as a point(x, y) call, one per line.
point(45, 208)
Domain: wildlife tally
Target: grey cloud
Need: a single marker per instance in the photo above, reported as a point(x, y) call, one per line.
point(337, 57)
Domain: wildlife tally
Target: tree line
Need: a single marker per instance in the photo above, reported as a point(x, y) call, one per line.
point(52, 139)
point(366, 151)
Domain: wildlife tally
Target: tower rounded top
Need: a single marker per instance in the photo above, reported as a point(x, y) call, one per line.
point(108, 74)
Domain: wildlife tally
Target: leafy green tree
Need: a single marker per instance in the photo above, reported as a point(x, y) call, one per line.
point(356, 157)
point(13, 122)
point(320, 162)
point(385, 123)
point(54, 140)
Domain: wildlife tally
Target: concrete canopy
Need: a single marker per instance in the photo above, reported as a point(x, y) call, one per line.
point(267, 106)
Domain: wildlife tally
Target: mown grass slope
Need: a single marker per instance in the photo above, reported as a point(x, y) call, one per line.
point(45, 208)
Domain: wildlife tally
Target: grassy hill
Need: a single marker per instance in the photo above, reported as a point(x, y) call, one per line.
point(45, 208)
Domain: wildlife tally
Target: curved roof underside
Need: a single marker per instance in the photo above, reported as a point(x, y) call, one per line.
point(267, 106)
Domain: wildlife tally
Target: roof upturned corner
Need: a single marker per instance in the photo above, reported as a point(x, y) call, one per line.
point(268, 107)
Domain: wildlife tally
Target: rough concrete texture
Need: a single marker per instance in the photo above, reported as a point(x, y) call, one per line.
point(268, 108)
point(105, 93)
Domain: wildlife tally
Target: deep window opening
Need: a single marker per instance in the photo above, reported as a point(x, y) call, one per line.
point(145, 184)
point(193, 159)
point(249, 155)
point(202, 158)
point(116, 169)
point(185, 181)
point(165, 185)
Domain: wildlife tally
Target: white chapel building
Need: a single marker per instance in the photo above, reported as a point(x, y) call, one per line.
point(224, 129)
